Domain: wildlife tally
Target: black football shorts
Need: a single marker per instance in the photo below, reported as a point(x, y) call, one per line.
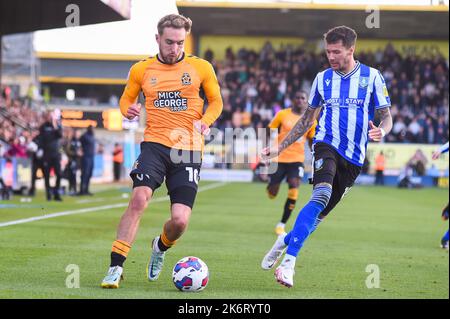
point(330, 167)
point(179, 168)
point(286, 170)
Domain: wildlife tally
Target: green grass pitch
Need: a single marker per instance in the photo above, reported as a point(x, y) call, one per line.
point(231, 228)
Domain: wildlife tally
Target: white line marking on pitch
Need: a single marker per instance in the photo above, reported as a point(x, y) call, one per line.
point(99, 208)
point(88, 201)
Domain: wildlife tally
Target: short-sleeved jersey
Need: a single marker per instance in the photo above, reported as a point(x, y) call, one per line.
point(444, 148)
point(173, 99)
point(349, 102)
point(285, 120)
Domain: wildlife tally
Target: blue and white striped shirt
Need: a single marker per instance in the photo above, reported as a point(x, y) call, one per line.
point(444, 148)
point(349, 102)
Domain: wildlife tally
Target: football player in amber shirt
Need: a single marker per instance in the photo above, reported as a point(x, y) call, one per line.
point(290, 161)
point(172, 84)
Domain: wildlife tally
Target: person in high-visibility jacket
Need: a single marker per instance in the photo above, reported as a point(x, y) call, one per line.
point(380, 161)
point(118, 161)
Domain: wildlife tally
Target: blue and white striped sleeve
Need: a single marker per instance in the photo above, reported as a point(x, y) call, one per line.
point(315, 99)
point(444, 148)
point(380, 92)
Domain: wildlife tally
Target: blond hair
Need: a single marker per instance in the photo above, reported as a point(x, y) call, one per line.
point(176, 21)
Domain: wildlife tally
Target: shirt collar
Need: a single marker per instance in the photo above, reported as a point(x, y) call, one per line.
point(346, 76)
point(179, 60)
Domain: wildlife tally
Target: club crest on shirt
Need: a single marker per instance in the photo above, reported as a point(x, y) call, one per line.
point(318, 164)
point(153, 81)
point(186, 79)
point(363, 82)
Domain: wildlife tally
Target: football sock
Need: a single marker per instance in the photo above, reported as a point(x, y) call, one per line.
point(307, 218)
point(445, 236)
point(288, 261)
point(280, 224)
point(164, 243)
point(290, 204)
point(316, 224)
point(119, 253)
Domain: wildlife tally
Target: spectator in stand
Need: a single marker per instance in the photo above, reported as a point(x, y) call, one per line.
point(414, 131)
point(17, 148)
point(237, 118)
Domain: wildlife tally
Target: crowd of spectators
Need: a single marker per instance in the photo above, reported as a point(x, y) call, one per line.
point(19, 123)
point(256, 85)
point(30, 131)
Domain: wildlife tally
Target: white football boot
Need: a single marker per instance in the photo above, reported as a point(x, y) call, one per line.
point(156, 261)
point(113, 277)
point(285, 275)
point(275, 253)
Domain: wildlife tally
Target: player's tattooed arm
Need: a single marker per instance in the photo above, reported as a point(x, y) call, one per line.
point(376, 133)
point(385, 117)
point(300, 128)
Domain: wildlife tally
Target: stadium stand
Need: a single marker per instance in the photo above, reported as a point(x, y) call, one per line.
point(256, 85)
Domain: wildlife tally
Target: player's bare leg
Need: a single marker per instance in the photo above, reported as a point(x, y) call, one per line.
point(289, 205)
point(129, 223)
point(272, 190)
point(172, 230)
point(177, 224)
point(126, 233)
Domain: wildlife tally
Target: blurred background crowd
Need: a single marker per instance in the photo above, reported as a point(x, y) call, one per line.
point(256, 85)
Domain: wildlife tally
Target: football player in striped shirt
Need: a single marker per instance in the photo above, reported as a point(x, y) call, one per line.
point(436, 155)
point(441, 150)
point(346, 97)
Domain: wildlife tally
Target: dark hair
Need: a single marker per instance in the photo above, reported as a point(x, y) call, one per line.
point(342, 33)
point(176, 21)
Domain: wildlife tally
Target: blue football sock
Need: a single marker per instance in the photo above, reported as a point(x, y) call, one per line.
point(316, 224)
point(445, 236)
point(307, 219)
point(287, 238)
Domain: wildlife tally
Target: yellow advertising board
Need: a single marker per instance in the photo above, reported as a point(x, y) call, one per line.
point(407, 47)
point(112, 119)
point(397, 155)
point(219, 44)
point(420, 48)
